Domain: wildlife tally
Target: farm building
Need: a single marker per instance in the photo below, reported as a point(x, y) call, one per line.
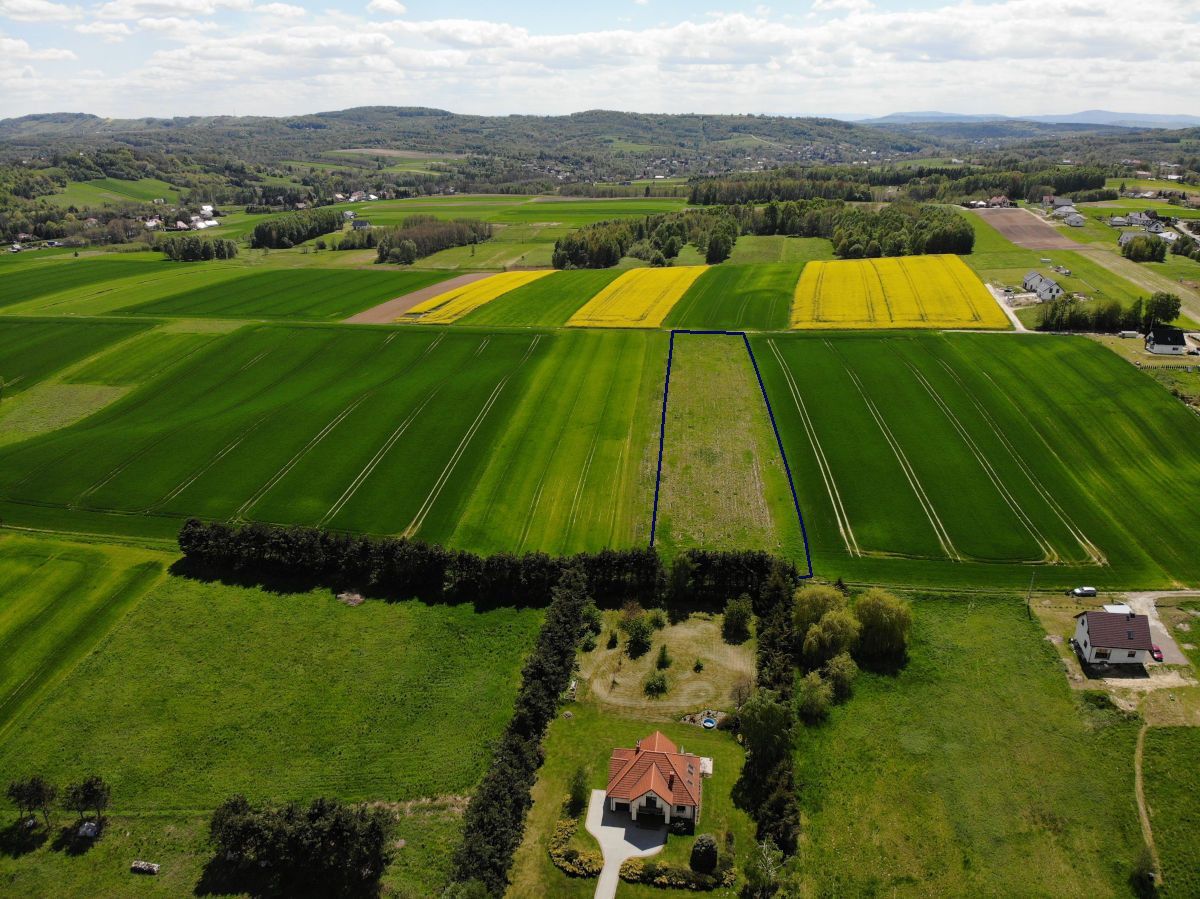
point(1166, 341)
point(655, 778)
point(1063, 212)
point(1046, 289)
point(361, 225)
point(1119, 221)
point(1000, 202)
point(1154, 226)
point(1112, 638)
point(1075, 220)
point(1139, 218)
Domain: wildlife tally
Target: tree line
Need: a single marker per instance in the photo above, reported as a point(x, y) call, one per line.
point(1109, 316)
point(416, 237)
point(295, 228)
point(1145, 248)
point(324, 849)
point(193, 248)
point(656, 239)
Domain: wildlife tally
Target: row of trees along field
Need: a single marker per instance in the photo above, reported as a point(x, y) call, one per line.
point(948, 183)
point(416, 237)
point(1109, 316)
point(295, 228)
point(193, 248)
point(896, 229)
point(1149, 248)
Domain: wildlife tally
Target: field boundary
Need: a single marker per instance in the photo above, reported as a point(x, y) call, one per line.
point(662, 434)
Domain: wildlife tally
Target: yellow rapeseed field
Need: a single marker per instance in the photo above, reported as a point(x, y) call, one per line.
point(454, 304)
point(896, 292)
point(640, 298)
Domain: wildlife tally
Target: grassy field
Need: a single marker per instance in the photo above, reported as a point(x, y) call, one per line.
point(547, 302)
point(42, 276)
point(202, 690)
point(908, 292)
point(1150, 184)
point(723, 480)
point(455, 303)
point(1026, 469)
point(738, 297)
point(314, 294)
point(60, 599)
point(33, 349)
point(969, 775)
point(574, 467)
point(102, 192)
point(777, 248)
point(1171, 771)
point(641, 298)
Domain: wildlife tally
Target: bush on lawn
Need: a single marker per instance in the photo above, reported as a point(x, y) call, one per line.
point(568, 859)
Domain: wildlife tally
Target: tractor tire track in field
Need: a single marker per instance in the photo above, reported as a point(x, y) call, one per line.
point(835, 496)
point(439, 485)
point(1049, 554)
point(316, 440)
point(1090, 549)
point(939, 529)
point(225, 451)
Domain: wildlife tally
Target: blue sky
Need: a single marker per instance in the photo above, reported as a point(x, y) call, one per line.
point(811, 57)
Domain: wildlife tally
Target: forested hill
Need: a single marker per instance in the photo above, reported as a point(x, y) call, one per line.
point(693, 141)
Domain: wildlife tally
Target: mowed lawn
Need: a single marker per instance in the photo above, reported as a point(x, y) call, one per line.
point(59, 600)
point(315, 294)
point(204, 690)
point(547, 302)
point(974, 772)
point(1171, 773)
point(738, 298)
point(943, 454)
point(724, 485)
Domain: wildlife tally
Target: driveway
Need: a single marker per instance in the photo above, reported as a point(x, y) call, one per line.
point(620, 838)
point(1143, 604)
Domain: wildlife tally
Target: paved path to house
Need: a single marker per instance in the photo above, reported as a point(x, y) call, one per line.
point(388, 312)
point(1143, 604)
point(620, 838)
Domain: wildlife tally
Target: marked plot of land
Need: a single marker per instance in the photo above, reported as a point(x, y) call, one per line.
point(453, 304)
point(640, 298)
point(901, 292)
point(723, 483)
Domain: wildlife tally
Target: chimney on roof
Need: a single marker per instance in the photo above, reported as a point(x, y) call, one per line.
point(671, 780)
point(637, 747)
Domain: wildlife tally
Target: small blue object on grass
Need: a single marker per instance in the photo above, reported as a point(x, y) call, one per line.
point(709, 723)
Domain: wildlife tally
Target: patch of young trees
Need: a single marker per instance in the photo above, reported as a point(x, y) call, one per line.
point(325, 848)
point(416, 237)
point(37, 796)
point(1186, 246)
point(294, 228)
point(1109, 316)
point(1148, 248)
point(193, 248)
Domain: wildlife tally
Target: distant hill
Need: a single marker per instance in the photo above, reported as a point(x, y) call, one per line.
point(1087, 117)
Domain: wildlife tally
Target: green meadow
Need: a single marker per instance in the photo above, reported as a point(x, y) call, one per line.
point(1171, 772)
point(739, 297)
point(547, 302)
point(102, 192)
point(33, 349)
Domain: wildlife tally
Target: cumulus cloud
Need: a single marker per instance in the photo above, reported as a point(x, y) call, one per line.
point(387, 7)
point(1006, 56)
point(38, 11)
point(281, 10)
point(111, 32)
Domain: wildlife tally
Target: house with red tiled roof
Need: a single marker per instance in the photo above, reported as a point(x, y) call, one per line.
point(655, 778)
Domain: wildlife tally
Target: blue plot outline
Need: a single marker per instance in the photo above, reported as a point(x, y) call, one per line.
point(662, 434)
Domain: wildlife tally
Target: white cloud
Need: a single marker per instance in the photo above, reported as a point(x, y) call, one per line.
point(111, 32)
point(387, 7)
point(38, 11)
point(281, 10)
point(1006, 56)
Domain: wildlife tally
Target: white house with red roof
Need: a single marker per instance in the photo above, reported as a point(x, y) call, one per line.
point(656, 777)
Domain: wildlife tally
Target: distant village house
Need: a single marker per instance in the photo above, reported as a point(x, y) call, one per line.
point(1046, 289)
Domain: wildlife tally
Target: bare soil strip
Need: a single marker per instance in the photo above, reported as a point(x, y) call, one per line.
point(1026, 230)
point(386, 313)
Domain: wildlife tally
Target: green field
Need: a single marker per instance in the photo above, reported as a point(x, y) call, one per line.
point(738, 298)
point(33, 349)
point(314, 294)
point(971, 776)
point(190, 692)
point(547, 302)
point(1026, 470)
point(42, 276)
point(114, 191)
point(1150, 184)
point(777, 248)
point(723, 480)
point(1171, 772)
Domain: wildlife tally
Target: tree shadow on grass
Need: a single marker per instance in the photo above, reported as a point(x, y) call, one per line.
point(71, 843)
point(224, 878)
point(18, 839)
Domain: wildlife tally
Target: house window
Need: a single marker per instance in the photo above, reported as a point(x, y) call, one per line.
point(1132, 654)
point(680, 809)
point(1102, 653)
